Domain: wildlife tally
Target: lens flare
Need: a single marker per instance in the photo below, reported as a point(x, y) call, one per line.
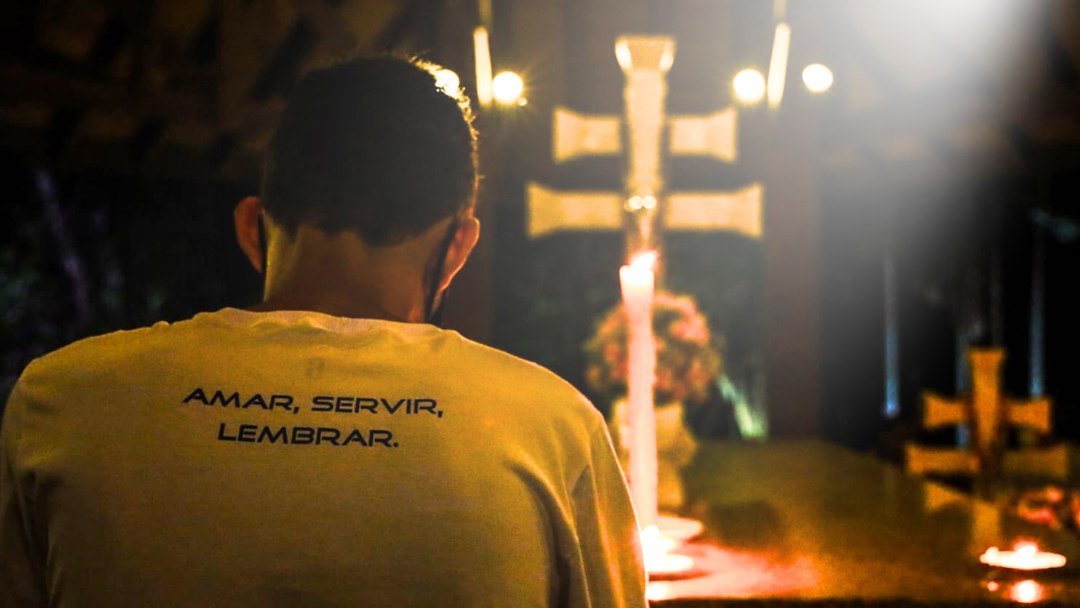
point(1026, 592)
point(817, 77)
point(508, 88)
point(749, 86)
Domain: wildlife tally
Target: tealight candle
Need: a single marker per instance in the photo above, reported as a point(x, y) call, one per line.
point(1025, 555)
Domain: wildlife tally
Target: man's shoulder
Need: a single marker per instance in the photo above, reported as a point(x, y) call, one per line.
point(523, 381)
point(100, 352)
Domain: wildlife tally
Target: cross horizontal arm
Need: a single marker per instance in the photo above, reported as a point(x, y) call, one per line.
point(555, 211)
point(713, 135)
point(1051, 462)
point(738, 211)
point(577, 135)
point(939, 411)
point(1036, 413)
point(922, 460)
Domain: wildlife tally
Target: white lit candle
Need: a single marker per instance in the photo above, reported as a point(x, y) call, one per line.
point(637, 281)
point(1025, 555)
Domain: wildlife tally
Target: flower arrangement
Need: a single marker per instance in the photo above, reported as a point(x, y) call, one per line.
point(1052, 506)
point(687, 360)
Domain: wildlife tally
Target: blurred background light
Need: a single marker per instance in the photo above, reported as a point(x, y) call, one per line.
point(818, 78)
point(1026, 592)
point(749, 85)
point(508, 88)
point(778, 64)
point(482, 58)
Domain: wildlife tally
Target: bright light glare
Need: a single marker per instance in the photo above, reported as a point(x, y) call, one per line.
point(749, 86)
point(644, 261)
point(1026, 592)
point(657, 550)
point(508, 88)
point(482, 53)
point(638, 202)
point(447, 81)
point(1024, 556)
point(778, 64)
point(817, 78)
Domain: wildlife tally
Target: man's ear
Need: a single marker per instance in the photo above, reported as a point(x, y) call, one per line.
point(246, 219)
point(468, 232)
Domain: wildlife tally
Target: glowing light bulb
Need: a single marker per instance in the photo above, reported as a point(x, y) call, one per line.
point(447, 81)
point(508, 88)
point(818, 78)
point(749, 86)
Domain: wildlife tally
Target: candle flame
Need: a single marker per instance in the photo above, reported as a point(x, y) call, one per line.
point(1026, 548)
point(644, 260)
point(1025, 555)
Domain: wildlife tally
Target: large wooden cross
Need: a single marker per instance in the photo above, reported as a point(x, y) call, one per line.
point(644, 208)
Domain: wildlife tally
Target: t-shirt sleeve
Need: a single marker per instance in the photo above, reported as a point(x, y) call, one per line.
point(611, 572)
point(21, 565)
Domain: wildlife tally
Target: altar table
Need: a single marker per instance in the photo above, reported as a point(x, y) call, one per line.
point(809, 523)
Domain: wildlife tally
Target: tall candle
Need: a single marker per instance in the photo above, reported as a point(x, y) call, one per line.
point(637, 281)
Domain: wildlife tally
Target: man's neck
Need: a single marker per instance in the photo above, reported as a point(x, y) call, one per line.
point(339, 307)
point(342, 278)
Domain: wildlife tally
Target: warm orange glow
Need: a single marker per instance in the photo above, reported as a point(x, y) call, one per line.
point(1026, 592)
point(734, 574)
point(1025, 555)
point(657, 551)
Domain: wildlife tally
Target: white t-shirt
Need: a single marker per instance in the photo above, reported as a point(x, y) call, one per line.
point(300, 459)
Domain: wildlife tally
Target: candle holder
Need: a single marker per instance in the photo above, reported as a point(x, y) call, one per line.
point(1024, 574)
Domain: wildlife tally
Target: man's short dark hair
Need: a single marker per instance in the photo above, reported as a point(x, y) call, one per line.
point(373, 146)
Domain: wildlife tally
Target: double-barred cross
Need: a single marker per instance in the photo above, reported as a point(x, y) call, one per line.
point(988, 412)
point(644, 208)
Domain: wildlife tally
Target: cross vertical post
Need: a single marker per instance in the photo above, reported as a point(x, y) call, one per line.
point(644, 207)
point(645, 61)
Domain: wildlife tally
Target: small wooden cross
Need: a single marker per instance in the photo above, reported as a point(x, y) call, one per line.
point(644, 208)
point(988, 412)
